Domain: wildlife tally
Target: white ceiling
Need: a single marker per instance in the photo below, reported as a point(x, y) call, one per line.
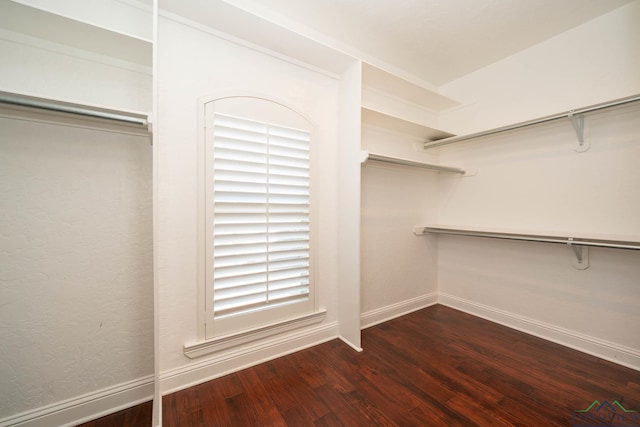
point(434, 40)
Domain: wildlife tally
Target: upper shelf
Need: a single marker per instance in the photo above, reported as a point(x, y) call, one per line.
point(575, 115)
point(399, 125)
point(42, 20)
point(419, 94)
point(401, 105)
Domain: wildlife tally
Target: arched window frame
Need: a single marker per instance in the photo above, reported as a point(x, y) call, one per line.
point(241, 328)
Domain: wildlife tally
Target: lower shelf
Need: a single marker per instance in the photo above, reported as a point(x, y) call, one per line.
point(406, 162)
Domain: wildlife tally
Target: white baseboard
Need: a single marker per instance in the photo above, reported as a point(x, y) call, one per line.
point(350, 344)
point(87, 407)
point(606, 350)
point(392, 311)
point(231, 361)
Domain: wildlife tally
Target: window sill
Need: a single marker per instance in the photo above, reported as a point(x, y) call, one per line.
point(193, 351)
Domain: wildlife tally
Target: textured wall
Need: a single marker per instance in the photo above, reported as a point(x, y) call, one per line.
point(76, 273)
point(396, 265)
point(533, 181)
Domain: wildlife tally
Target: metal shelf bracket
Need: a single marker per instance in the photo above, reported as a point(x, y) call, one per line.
point(581, 252)
point(578, 125)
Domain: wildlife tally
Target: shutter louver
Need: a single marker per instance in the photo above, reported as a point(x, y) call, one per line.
point(260, 215)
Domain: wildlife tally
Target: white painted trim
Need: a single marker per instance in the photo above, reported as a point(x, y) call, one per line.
point(216, 345)
point(240, 358)
point(350, 344)
point(383, 314)
point(606, 350)
point(156, 416)
point(243, 43)
point(86, 407)
point(348, 199)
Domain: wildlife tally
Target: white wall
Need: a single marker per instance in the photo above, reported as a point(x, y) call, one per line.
point(533, 180)
point(76, 276)
point(398, 268)
point(533, 287)
point(76, 327)
point(192, 64)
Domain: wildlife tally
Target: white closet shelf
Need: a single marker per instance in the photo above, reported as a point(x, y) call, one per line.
point(365, 156)
point(576, 116)
point(419, 93)
point(421, 131)
point(56, 21)
point(568, 239)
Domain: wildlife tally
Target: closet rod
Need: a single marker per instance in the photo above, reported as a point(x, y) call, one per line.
point(406, 162)
point(63, 107)
point(577, 241)
point(564, 115)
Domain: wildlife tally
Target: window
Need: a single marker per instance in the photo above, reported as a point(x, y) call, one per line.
point(258, 216)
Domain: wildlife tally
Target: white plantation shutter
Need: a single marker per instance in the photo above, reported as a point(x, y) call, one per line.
point(260, 215)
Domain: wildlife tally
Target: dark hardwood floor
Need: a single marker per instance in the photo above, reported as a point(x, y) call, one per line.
point(137, 416)
point(434, 367)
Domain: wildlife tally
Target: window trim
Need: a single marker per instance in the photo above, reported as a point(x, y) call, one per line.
point(215, 345)
point(201, 237)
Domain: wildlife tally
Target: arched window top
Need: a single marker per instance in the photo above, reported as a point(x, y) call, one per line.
point(261, 110)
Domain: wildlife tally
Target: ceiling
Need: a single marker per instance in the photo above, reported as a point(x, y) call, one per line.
point(436, 41)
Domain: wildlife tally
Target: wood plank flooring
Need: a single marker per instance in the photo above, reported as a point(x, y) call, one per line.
point(434, 367)
point(137, 416)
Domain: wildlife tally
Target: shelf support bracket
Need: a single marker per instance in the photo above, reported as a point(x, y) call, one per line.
point(578, 251)
point(578, 126)
point(581, 260)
